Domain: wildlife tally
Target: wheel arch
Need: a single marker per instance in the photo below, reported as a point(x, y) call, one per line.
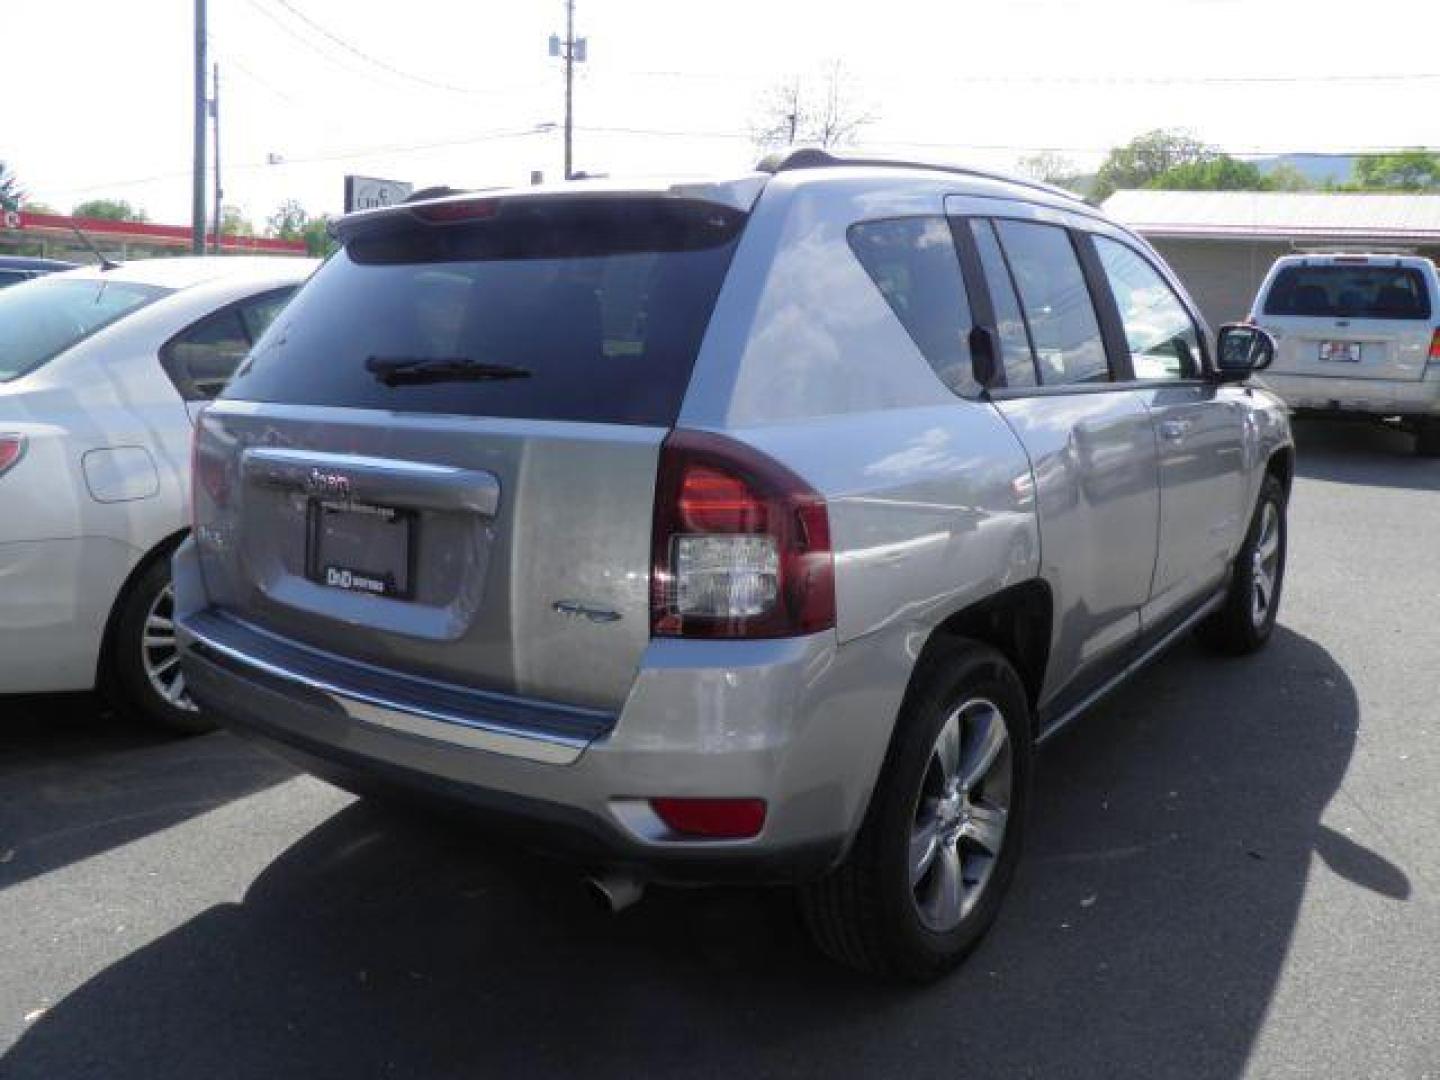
point(163, 550)
point(1017, 622)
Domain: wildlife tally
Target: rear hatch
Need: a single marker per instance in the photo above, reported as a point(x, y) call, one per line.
point(1350, 317)
point(441, 458)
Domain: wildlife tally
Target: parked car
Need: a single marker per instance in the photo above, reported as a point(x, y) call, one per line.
point(1357, 335)
point(750, 530)
point(101, 374)
point(17, 268)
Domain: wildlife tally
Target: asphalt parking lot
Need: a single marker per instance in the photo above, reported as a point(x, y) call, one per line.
point(1232, 870)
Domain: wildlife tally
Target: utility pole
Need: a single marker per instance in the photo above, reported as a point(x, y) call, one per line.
point(197, 207)
point(572, 50)
point(215, 120)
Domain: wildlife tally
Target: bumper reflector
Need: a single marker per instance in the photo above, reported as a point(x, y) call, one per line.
point(714, 819)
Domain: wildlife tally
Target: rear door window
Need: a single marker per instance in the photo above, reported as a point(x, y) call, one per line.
point(913, 263)
point(1015, 351)
point(1349, 292)
point(553, 309)
point(1056, 300)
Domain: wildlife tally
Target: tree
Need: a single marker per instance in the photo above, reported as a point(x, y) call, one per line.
point(33, 206)
point(234, 223)
point(316, 234)
point(1286, 177)
point(1050, 168)
point(1146, 157)
point(11, 193)
point(822, 109)
point(288, 221)
point(109, 210)
point(1223, 173)
point(1408, 170)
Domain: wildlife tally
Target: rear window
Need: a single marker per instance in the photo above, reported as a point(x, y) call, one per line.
point(41, 319)
point(1349, 292)
point(583, 310)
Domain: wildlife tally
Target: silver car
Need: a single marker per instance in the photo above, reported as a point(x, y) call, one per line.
point(749, 530)
point(1357, 335)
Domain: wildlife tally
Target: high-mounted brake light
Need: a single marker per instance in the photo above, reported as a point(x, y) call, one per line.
point(741, 545)
point(12, 449)
point(441, 213)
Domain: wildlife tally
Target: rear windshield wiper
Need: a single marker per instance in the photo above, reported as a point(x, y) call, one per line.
point(409, 371)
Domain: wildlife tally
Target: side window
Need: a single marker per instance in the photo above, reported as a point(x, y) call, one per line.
point(1163, 340)
point(1057, 304)
point(201, 360)
point(1015, 351)
point(260, 311)
point(913, 263)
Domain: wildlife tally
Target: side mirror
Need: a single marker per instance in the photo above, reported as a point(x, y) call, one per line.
point(1241, 350)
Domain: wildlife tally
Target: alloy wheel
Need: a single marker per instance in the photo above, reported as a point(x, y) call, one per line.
point(159, 654)
point(1265, 565)
point(958, 828)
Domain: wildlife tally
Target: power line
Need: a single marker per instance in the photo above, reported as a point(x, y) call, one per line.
point(1085, 80)
point(373, 60)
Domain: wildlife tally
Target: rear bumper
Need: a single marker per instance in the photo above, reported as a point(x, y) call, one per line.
point(802, 723)
point(1375, 397)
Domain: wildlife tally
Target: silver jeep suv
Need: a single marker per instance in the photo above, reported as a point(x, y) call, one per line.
point(755, 529)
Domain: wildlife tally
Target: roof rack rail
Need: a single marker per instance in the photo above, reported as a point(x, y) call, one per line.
point(810, 157)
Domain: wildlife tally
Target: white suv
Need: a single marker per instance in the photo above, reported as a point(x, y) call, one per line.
point(1357, 334)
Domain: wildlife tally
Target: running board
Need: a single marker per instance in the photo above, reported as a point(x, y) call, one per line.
point(1183, 627)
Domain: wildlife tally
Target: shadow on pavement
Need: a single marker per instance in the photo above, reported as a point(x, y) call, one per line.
point(76, 780)
point(1355, 452)
point(1167, 860)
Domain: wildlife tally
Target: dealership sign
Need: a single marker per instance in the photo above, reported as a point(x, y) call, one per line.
point(369, 192)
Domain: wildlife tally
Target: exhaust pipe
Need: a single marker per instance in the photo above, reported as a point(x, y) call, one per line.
point(614, 892)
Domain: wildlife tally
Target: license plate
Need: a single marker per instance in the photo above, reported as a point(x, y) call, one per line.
point(362, 548)
point(1340, 352)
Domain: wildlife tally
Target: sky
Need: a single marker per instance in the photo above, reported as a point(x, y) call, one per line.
point(462, 92)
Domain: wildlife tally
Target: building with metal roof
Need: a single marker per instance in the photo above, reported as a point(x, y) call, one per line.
point(1221, 243)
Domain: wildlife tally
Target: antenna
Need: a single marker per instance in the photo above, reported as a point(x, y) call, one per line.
point(106, 263)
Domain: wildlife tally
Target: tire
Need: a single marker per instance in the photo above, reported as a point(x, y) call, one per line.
point(1244, 624)
point(1427, 437)
point(140, 667)
point(866, 913)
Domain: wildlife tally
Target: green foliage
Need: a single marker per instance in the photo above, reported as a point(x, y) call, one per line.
point(1286, 177)
point(291, 221)
point(318, 241)
point(11, 194)
point(1223, 173)
point(288, 221)
point(1051, 168)
point(1408, 170)
point(109, 210)
point(234, 223)
point(1146, 157)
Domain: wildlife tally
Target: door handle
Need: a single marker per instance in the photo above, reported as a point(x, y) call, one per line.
point(1174, 429)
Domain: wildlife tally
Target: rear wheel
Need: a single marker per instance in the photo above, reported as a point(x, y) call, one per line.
point(144, 659)
point(940, 842)
point(1247, 618)
point(1427, 437)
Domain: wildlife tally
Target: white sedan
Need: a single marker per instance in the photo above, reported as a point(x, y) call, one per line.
point(102, 372)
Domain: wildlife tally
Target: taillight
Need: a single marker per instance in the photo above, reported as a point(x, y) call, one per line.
point(1435, 347)
point(207, 471)
point(741, 545)
point(12, 449)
